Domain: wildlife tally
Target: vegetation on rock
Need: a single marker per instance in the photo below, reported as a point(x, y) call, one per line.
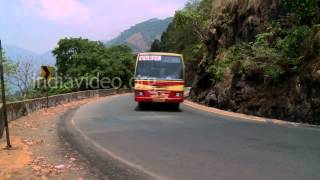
point(259, 57)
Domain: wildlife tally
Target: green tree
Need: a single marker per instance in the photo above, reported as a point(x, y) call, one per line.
point(81, 59)
point(8, 67)
point(187, 33)
point(75, 56)
point(20, 75)
point(156, 46)
point(117, 61)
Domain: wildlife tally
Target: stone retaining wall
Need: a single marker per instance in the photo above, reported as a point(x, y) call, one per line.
point(18, 109)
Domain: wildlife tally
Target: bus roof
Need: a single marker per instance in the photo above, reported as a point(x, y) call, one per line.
point(159, 54)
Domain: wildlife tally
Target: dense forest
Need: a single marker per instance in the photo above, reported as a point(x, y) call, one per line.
point(255, 57)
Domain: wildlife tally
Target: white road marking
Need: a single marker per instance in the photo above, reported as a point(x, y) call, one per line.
point(115, 156)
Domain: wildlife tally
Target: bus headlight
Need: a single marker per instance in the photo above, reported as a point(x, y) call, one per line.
point(178, 94)
point(140, 93)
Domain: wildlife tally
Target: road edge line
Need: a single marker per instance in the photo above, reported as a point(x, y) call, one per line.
point(108, 163)
point(245, 117)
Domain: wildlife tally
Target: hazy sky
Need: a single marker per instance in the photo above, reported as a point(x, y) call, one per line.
point(37, 25)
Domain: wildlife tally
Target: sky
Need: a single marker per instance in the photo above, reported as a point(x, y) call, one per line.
point(37, 25)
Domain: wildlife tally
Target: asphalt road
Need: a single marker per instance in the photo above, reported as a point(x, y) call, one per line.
point(192, 144)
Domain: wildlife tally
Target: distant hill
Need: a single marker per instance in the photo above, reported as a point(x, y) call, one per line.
point(17, 54)
point(140, 36)
point(20, 54)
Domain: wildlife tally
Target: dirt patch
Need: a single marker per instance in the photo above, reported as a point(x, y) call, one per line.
point(39, 153)
point(15, 159)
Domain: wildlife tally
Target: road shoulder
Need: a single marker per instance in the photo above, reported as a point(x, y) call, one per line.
point(39, 153)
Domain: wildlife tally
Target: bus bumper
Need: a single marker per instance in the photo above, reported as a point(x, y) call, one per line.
point(150, 100)
point(171, 98)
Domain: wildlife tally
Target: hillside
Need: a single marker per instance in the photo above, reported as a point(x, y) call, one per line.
point(20, 54)
point(263, 59)
point(140, 36)
point(259, 57)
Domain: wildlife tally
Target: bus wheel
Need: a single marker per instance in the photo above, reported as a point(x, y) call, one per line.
point(142, 105)
point(176, 106)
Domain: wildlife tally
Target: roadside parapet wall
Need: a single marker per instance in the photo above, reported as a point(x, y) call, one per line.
point(16, 110)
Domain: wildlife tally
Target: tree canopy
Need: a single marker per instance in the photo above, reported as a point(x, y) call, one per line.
point(187, 32)
point(79, 58)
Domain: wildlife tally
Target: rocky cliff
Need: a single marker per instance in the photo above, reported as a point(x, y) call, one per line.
point(249, 69)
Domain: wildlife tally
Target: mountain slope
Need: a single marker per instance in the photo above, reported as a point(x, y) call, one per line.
point(17, 53)
point(140, 36)
point(23, 55)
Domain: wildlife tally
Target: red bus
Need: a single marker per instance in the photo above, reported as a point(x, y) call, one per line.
point(159, 78)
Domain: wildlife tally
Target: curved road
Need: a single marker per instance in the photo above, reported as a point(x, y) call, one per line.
point(193, 144)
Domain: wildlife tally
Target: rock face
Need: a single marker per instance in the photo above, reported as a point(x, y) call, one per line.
point(235, 21)
point(296, 98)
point(239, 21)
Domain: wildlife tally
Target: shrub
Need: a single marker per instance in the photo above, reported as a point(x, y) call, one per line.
point(304, 12)
point(273, 72)
point(227, 58)
point(294, 46)
point(282, 50)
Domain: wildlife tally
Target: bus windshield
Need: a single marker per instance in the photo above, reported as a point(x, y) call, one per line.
point(160, 67)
